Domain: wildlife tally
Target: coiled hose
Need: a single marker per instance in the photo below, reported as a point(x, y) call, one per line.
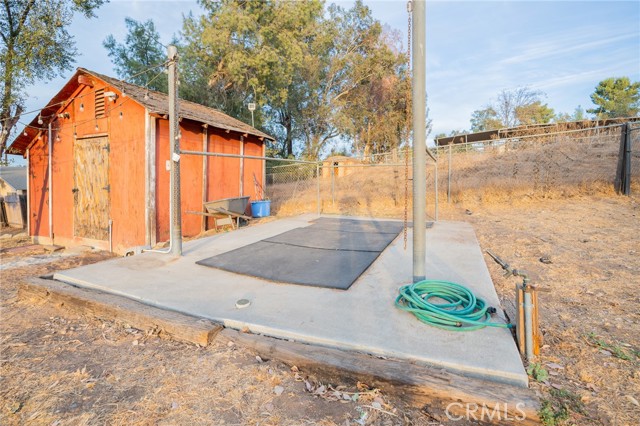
point(446, 305)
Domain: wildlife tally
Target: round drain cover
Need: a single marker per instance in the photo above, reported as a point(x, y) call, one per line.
point(242, 303)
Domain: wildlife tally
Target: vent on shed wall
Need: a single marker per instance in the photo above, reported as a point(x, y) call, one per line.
point(100, 103)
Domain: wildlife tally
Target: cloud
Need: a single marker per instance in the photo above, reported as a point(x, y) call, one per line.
point(557, 47)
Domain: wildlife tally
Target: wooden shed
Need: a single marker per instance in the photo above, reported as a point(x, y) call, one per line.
point(109, 151)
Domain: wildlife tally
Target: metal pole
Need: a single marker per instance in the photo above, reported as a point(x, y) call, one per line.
point(419, 139)
point(174, 144)
point(50, 178)
point(449, 178)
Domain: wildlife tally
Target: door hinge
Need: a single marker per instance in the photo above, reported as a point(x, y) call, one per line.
point(107, 188)
point(107, 148)
point(74, 190)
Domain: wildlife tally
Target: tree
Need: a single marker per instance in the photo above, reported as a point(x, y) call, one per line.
point(140, 51)
point(314, 75)
point(578, 115)
point(371, 110)
point(509, 101)
point(357, 81)
point(34, 45)
point(534, 113)
point(511, 108)
point(616, 97)
point(485, 119)
point(251, 52)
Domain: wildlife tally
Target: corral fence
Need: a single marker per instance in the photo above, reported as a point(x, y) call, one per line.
point(565, 162)
point(573, 161)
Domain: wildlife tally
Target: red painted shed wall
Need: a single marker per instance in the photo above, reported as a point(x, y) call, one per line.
point(124, 126)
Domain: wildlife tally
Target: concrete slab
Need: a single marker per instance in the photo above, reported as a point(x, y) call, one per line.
point(362, 319)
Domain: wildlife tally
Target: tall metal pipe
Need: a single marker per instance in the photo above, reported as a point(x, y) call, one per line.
point(50, 178)
point(174, 144)
point(419, 138)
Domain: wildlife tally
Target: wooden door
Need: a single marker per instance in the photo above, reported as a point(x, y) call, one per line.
point(91, 188)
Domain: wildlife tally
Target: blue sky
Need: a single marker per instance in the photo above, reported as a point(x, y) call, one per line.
point(475, 49)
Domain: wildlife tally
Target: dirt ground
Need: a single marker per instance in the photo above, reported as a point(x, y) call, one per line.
point(61, 369)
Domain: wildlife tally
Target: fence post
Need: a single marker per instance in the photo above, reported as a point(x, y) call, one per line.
point(436, 191)
point(318, 187)
point(619, 183)
point(333, 184)
point(627, 163)
point(449, 177)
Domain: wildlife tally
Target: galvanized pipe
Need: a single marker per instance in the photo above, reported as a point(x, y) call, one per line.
point(174, 144)
point(248, 157)
point(419, 138)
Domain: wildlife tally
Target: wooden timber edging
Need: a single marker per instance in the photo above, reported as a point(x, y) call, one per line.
point(182, 327)
point(444, 392)
point(484, 401)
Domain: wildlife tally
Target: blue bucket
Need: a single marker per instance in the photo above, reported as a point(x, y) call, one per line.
point(261, 208)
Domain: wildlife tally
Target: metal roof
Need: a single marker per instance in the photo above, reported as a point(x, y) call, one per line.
point(154, 102)
point(15, 177)
point(533, 129)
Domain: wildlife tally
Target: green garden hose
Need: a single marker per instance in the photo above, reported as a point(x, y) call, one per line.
point(446, 305)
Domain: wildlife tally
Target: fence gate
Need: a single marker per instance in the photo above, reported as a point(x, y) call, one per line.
point(91, 188)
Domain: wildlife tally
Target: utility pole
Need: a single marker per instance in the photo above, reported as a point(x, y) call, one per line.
point(419, 139)
point(174, 145)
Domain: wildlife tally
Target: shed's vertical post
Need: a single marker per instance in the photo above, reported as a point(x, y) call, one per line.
point(28, 193)
point(174, 144)
point(150, 179)
point(205, 171)
point(50, 178)
point(241, 166)
point(419, 139)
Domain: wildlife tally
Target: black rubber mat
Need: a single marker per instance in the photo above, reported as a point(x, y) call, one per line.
point(329, 253)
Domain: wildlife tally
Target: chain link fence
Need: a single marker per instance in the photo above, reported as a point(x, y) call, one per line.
point(554, 164)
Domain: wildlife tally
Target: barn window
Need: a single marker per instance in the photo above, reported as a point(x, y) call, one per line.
point(99, 103)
